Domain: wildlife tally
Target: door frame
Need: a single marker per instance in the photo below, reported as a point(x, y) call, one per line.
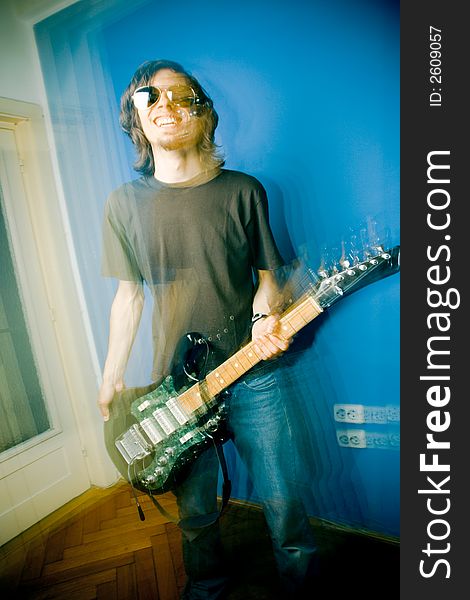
point(66, 305)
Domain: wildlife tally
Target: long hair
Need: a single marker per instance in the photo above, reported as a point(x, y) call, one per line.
point(130, 122)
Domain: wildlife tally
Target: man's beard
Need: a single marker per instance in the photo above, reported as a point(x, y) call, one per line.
point(185, 139)
point(177, 143)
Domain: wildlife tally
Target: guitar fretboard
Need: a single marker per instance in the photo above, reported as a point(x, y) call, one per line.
point(292, 320)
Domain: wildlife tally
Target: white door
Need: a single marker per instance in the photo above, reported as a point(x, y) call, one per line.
point(41, 461)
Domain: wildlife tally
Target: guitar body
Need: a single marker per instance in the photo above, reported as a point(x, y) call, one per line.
point(156, 432)
point(150, 439)
point(120, 420)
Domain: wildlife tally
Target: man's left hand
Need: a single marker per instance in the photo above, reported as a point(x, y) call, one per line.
point(267, 336)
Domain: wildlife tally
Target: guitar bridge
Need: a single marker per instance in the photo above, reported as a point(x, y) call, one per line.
point(132, 445)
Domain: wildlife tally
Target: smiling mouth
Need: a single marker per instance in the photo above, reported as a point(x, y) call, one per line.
point(165, 121)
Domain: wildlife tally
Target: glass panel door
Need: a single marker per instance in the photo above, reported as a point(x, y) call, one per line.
point(23, 412)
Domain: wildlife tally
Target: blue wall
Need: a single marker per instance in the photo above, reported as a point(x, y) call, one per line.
point(308, 99)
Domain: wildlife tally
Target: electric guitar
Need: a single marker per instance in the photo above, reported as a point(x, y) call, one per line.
point(155, 432)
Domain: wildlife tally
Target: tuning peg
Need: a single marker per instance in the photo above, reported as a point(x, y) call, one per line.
point(323, 268)
point(351, 251)
point(377, 238)
point(322, 272)
point(344, 260)
point(366, 250)
point(334, 265)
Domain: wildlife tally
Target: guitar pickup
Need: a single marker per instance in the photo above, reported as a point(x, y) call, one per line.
point(132, 445)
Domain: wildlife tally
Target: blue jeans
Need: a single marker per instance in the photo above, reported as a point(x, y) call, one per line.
point(261, 417)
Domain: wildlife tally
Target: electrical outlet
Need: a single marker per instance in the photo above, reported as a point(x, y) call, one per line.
point(351, 438)
point(383, 441)
point(349, 413)
point(360, 438)
point(377, 440)
point(359, 413)
point(393, 414)
point(375, 414)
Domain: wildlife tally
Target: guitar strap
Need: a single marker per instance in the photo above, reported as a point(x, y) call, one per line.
point(202, 520)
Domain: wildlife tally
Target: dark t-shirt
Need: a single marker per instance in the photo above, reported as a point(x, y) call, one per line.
point(196, 248)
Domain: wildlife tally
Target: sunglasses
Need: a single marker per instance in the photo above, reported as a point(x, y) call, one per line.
point(179, 94)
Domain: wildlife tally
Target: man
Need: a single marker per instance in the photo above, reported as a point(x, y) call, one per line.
point(195, 233)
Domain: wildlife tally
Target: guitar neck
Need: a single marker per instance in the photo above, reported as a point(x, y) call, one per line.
point(292, 320)
point(299, 314)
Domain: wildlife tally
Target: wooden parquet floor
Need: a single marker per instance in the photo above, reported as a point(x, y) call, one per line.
point(97, 548)
point(102, 552)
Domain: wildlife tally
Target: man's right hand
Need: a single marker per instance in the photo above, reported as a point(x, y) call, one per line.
point(126, 311)
point(106, 396)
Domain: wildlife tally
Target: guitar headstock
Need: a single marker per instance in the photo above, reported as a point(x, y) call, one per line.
point(347, 276)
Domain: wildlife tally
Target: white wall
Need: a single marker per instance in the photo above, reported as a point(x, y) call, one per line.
point(21, 79)
point(20, 76)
